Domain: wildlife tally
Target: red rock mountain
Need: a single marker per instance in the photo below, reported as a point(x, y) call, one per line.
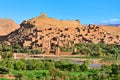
point(7, 26)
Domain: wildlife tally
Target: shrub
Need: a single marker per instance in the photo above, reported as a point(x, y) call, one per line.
point(20, 65)
point(84, 66)
point(4, 70)
point(54, 72)
point(7, 54)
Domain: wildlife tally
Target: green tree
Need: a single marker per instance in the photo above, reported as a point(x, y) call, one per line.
point(85, 51)
point(4, 70)
point(7, 54)
point(84, 66)
point(19, 65)
point(54, 73)
point(10, 63)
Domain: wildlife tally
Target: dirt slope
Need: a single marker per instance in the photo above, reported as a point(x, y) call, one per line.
point(7, 26)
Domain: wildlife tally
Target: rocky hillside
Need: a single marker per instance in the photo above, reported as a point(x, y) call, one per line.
point(45, 32)
point(39, 29)
point(7, 26)
point(114, 30)
point(45, 22)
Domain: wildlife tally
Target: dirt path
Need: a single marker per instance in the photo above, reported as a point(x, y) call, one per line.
point(7, 76)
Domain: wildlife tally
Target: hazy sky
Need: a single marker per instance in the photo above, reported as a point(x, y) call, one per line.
point(87, 11)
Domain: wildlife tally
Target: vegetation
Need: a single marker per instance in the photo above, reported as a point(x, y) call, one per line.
point(7, 50)
point(65, 70)
point(95, 50)
point(4, 70)
point(48, 69)
point(89, 49)
point(3, 79)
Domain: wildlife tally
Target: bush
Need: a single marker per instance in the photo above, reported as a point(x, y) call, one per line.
point(84, 66)
point(7, 54)
point(4, 70)
point(20, 65)
point(54, 72)
point(85, 51)
point(34, 64)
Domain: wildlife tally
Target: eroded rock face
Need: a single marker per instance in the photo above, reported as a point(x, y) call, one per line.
point(48, 33)
point(7, 26)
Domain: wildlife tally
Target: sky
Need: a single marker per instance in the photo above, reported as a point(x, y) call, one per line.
point(87, 11)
